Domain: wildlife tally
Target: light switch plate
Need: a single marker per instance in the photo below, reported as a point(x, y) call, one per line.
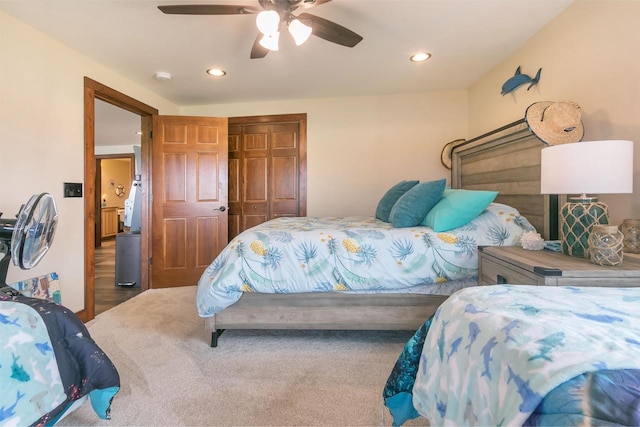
point(72, 189)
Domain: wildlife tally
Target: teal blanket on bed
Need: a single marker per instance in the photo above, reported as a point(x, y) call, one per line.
point(493, 353)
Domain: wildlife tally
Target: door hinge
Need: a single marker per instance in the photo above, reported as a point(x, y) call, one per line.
point(150, 134)
point(150, 260)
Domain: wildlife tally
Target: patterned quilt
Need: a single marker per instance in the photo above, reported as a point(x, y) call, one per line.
point(351, 254)
point(523, 355)
point(48, 363)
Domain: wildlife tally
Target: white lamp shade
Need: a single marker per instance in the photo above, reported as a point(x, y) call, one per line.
point(299, 31)
point(594, 167)
point(268, 22)
point(270, 41)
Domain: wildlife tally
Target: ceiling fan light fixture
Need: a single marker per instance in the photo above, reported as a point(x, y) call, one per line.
point(270, 41)
point(268, 22)
point(299, 31)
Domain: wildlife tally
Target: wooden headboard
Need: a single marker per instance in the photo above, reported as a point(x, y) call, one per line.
point(507, 160)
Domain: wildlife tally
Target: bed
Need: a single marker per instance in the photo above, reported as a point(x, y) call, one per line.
point(49, 365)
point(506, 160)
point(523, 355)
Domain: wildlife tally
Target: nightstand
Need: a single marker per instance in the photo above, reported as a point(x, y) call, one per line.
point(514, 265)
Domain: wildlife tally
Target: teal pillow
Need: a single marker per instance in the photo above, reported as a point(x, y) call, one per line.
point(457, 208)
point(413, 205)
point(391, 197)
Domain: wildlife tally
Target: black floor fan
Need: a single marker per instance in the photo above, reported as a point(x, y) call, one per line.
point(25, 239)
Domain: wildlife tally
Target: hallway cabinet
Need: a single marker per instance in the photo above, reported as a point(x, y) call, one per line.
point(109, 222)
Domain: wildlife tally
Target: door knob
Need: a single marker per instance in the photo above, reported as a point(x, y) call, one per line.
point(221, 209)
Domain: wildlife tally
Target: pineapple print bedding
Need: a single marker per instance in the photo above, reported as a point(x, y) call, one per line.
point(352, 254)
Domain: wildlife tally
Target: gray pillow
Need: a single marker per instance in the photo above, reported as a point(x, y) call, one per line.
point(391, 197)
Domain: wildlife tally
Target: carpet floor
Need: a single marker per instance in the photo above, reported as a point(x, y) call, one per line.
point(171, 377)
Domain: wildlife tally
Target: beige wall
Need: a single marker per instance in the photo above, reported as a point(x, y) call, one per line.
point(42, 139)
point(588, 54)
point(359, 146)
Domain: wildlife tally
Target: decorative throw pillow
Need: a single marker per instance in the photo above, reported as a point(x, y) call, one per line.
point(391, 197)
point(457, 207)
point(413, 205)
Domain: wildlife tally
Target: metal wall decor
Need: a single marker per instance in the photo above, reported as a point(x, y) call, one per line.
point(519, 79)
point(445, 155)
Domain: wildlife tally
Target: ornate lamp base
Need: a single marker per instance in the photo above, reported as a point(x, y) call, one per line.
point(577, 218)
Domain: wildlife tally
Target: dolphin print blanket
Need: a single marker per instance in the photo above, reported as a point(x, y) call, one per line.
point(523, 355)
point(48, 363)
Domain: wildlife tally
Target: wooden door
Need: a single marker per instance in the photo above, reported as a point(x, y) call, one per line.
point(189, 185)
point(284, 170)
point(255, 176)
point(235, 180)
point(267, 169)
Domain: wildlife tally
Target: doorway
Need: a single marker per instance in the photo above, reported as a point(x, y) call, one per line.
point(96, 91)
point(114, 177)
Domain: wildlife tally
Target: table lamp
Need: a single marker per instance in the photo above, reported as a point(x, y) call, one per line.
point(595, 167)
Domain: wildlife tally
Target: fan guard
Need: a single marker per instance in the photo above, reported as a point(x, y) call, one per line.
point(26, 239)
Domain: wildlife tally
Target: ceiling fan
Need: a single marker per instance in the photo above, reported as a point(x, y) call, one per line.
point(271, 17)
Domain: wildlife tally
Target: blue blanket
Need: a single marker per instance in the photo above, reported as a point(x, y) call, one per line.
point(48, 362)
point(523, 355)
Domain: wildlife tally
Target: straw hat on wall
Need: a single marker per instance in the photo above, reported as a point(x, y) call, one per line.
point(555, 123)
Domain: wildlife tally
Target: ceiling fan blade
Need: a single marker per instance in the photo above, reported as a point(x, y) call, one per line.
point(306, 4)
point(330, 31)
point(207, 9)
point(258, 51)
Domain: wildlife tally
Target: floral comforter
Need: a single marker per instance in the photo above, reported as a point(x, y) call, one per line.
point(523, 355)
point(48, 363)
point(352, 254)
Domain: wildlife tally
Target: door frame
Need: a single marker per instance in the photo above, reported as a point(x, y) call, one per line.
point(94, 90)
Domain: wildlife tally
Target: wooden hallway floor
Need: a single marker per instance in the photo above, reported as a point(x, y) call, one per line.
point(109, 295)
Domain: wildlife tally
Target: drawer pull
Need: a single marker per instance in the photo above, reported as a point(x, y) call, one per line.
point(500, 279)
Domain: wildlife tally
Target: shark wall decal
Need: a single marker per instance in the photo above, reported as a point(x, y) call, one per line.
point(519, 79)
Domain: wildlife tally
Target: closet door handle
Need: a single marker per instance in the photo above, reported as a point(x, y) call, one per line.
point(221, 209)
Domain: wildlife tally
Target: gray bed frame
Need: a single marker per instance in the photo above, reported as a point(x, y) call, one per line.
point(506, 160)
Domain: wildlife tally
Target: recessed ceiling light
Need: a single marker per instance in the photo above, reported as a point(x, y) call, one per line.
point(216, 72)
point(419, 57)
